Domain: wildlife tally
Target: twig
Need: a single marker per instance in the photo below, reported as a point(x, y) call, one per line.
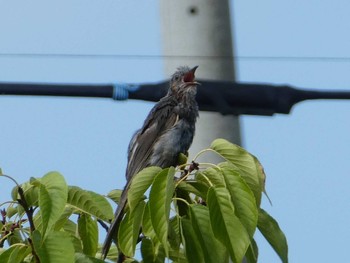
point(103, 224)
point(29, 212)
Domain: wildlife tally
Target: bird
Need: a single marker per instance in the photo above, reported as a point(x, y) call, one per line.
point(167, 131)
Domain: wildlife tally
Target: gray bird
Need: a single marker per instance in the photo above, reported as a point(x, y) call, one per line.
point(167, 131)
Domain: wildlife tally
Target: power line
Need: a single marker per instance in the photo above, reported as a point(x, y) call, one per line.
point(155, 56)
point(229, 97)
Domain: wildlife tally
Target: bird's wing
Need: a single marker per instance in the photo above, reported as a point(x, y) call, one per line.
point(161, 118)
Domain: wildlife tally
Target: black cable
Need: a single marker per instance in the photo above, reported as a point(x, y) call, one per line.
point(219, 96)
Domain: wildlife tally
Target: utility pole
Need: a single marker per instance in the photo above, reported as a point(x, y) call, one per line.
point(198, 32)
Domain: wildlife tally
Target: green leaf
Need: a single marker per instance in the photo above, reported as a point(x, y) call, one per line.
point(15, 254)
point(182, 159)
point(68, 211)
point(242, 198)
point(140, 183)
point(90, 203)
point(213, 250)
point(262, 177)
point(130, 260)
point(129, 230)
point(194, 252)
point(147, 251)
point(213, 174)
point(52, 199)
point(11, 211)
point(16, 237)
point(70, 227)
point(174, 233)
point(77, 244)
point(102, 203)
point(182, 204)
point(57, 248)
point(152, 253)
point(185, 186)
point(252, 253)
point(270, 229)
point(115, 195)
point(112, 253)
point(81, 258)
point(20, 210)
point(160, 253)
point(159, 203)
point(198, 188)
point(31, 193)
point(244, 161)
point(147, 227)
point(178, 256)
point(61, 222)
point(88, 232)
point(226, 225)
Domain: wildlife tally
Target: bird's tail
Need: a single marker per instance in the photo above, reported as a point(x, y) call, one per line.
point(112, 233)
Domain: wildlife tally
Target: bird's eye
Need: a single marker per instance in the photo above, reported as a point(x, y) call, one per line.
point(176, 77)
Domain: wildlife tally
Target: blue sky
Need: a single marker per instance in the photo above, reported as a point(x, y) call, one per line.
point(305, 154)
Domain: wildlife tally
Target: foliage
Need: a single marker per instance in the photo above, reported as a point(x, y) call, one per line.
point(198, 212)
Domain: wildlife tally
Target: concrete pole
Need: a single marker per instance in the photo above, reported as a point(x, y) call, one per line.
point(198, 32)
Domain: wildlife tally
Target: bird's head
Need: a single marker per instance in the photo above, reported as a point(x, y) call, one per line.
point(183, 81)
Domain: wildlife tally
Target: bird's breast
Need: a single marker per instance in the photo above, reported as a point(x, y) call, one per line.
point(174, 141)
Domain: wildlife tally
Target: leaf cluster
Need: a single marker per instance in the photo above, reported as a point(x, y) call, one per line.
point(197, 212)
point(38, 224)
point(207, 215)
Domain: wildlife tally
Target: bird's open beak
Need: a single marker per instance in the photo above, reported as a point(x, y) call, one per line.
point(193, 70)
point(189, 77)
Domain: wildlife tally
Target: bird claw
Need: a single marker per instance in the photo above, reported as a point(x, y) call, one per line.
point(193, 166)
